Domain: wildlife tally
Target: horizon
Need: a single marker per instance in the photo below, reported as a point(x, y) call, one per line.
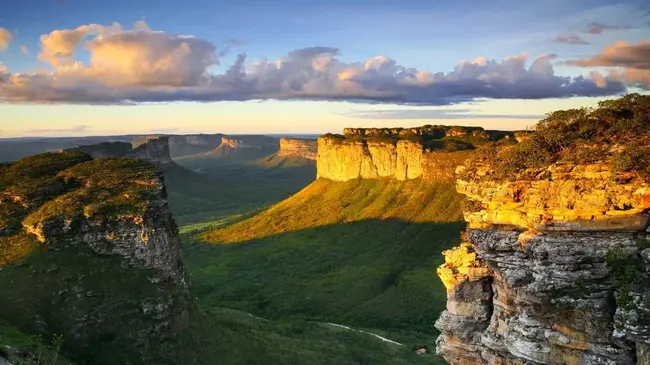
point(72, 69)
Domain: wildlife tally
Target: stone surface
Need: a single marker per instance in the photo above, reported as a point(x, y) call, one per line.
point(298, 147)
point(344, 159)
point(566, 268)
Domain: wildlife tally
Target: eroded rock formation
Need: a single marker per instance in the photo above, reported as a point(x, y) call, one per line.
point(258, 142)
point(298, 147)
point(154, 150)
point(342, 159)
point(554, 269)
point(183, 145)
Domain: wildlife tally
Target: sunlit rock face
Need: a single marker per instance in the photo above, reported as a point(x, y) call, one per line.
point(342, 159)
point(554, 269)
point(298, 147)
point(258, 142)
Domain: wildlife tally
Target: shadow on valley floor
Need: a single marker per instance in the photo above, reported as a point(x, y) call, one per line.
point(373, 274)
point(196, 198)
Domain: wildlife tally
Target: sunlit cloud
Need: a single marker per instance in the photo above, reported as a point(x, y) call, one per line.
point(597, 28)
point(5, 38)
point(142, 65)
point(630, 63)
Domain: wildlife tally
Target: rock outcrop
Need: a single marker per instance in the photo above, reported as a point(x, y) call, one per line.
point(154, 150)
point(90, 251)
point(342, 159)
point(554, 269)
point(184, 145)
point(257, 142)
point(298, 147)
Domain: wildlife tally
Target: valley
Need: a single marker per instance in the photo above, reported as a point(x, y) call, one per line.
point(263, 250)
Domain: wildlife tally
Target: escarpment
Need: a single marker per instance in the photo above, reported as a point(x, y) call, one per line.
point(184, 145)
point(89, 250)
point(429, 152)
point(298, 147)
point(554, 267)
point(154, 150)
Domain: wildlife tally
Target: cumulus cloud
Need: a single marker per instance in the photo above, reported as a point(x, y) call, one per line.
point(597, 28)
point(5, 38)
point(142, 65)
point(24, 50)
point(569, 39)
point(630, 63)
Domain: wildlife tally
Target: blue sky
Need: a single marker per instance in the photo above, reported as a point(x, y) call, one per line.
point(417, 37)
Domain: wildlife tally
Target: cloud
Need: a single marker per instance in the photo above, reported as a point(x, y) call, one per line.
point(631, 62)
point(597, 28)
point(74, 129)
point(437, 114)
point(24, 50)
point(5, 38)
point(142, 65)
point(569, 39)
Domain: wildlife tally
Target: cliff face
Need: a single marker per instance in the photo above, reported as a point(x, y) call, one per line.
point(154, 150)
point(554, 270)
point(259, 142)
point(297, 147)
point(344, 159)
point(183, 145)
point(89, 250)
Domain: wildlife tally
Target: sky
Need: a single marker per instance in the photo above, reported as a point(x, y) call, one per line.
point(78, 67)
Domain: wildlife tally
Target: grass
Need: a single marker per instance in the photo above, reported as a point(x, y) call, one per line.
point(202, 199)
point(20, 348)
point(361, 253)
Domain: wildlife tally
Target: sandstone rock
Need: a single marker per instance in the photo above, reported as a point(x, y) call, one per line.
point(298, 147)
point(567, 271)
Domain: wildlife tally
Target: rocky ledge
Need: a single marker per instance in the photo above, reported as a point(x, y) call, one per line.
point(554, 269)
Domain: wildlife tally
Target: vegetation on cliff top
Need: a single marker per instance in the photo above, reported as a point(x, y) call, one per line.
point(430, 137)
point(616, 132)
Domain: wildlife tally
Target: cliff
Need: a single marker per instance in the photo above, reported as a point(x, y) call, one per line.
point(89, 250)
point(154, 150)
point(431, 153)
point(555, 263)
point(257, 142)
point(298, 147)
point(184, 145)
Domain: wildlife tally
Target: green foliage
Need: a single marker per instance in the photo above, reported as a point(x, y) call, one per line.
point(585, 135)
point(625, 272)
point(360, 253)
point(20, 348)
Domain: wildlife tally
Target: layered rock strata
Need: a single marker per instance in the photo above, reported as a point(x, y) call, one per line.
point(298, 147)
point(345, 159)
point(553, 270)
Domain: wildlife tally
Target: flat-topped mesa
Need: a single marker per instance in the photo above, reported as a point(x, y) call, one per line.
point(259, 142)
point(298, 147)
point(429, 152)
point(154, 150)
point(183, 145)
point(555, 263)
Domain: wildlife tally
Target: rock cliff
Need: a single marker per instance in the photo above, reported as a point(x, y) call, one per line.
point(298, 147)
point(554, 268)
point(154, 150)
point(184, 145)
point(258, 142)
point(89, 250)
point(430, 153)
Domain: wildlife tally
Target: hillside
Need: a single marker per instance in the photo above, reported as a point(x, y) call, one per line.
point(358, 253)
point(233, 150)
